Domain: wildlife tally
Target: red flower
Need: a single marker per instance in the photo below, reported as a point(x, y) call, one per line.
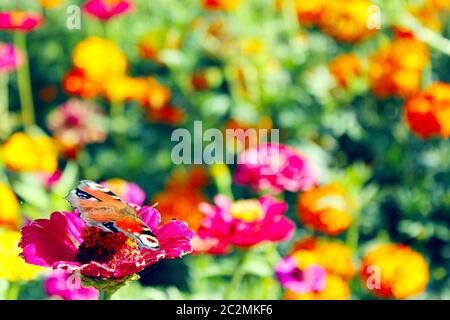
point(19, 20)
point(65, 242)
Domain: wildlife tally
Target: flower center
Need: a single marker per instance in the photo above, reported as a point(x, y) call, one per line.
point(17, 18)
point(105, 247)
point(247, 210)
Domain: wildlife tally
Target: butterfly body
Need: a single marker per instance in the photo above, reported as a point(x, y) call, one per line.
point(101, 208)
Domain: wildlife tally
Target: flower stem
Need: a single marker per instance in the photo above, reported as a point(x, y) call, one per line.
point(104, 295)
point(5, 126)
point(222, 179)
point(24, 83)
point(237, 276)
point(117, 123)
point(13, 291)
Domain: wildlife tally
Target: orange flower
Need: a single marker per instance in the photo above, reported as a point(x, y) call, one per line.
point(336, 289)
point(326, 209)
point(344, 68)
point(220, 4)
point(396, 70)
point(395, 271)
point(157, 95)
point(333, 256)
point(309, 12)
point(428, 113)
point(345, 20)
point(182, 196)
point(124, 88)
point(77, 83)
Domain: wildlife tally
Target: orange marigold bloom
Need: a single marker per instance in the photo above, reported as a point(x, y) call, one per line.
point(24, 153)
point(326, 209)
point(345, 20)
point(428, 113)
point(336, 289)
point(395, 70)
point(220, 4)
point(77, 83)
point(344, 68)
point(182, 196)
point(403, 272)
point(333, 256)
point(309, 12)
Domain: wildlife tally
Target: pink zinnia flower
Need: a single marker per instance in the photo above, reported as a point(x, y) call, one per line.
point(19, 20)
point(65, 242)
point(243, 223)
point(107, 9)
point(10, 58)
point(311, 279)
point(77, 123)
point(275, 167)
point(68, 286)
point(127, 191)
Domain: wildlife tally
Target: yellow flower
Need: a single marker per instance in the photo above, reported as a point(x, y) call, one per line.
point(24, 153)
point(402, 271)
point(13, 267)
point(49, 4)
point(99, 58)
point(336, 289)
point(326, 209)
point(9, 207)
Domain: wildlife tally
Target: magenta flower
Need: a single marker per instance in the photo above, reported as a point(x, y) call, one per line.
point(10, 58)
point(275, 167)
point(127, 191)
point(311, 279)
point(64, 242)
point(19, 21)
point(68, 286)
point(49, 179)
point(243, 223)
point(107, 9)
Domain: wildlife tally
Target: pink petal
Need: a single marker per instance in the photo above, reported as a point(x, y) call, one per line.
point(46, 241)
point(150, 216)
point(175, 239)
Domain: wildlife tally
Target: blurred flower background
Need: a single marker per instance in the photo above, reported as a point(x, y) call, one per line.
point(358, 202)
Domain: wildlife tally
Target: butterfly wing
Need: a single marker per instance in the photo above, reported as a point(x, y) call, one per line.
point(100, 207)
